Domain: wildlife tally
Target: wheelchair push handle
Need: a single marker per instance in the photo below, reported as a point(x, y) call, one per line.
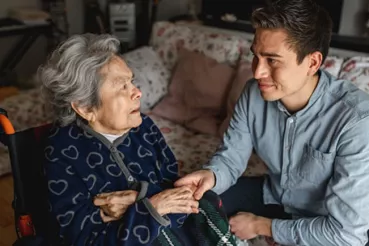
point(6, 125)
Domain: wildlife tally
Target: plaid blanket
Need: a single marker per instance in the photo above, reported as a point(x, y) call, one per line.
point(207, 228)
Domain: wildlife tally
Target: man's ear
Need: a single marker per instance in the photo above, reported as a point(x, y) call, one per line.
point(84, 112)
point(315, 61)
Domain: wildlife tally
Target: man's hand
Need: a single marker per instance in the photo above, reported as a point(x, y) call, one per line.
point(114, 204)
point(247, 226)
point(176, 200)
point(203, 180)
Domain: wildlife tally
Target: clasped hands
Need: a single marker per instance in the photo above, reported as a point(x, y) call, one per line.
point(113, 205)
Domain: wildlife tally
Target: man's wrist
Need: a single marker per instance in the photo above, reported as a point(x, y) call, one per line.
point(214, 176)
point(264, 226)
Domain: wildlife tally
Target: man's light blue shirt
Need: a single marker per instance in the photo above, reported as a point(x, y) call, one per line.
point(317, 159)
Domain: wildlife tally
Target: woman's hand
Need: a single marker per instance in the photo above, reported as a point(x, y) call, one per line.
point(176, 200)
point(114, 204)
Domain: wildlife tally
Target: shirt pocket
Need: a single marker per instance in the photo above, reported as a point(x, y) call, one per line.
point(315, 167)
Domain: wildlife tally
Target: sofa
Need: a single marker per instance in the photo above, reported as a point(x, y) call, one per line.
point(155, 67)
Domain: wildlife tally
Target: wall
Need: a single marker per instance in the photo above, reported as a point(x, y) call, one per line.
point(75, 10)
point(6, 4)
point(353, 17)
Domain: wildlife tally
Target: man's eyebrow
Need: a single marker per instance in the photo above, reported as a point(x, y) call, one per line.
point(269, 54)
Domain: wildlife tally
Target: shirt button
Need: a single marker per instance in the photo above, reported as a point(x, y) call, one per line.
point(291, 121)
point(130, 178)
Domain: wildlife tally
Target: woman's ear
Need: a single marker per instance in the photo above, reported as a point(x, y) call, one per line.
point(84, 112)
point(315, 62)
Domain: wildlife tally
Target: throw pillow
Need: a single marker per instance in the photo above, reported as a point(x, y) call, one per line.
point(244, 73)
point(333, 64)
point(151, 76)
point(197, 93)
point(356, 70)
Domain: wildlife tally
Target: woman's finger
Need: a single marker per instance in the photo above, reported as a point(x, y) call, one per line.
point(105, 218)
point(124, 199)
point(100, 201)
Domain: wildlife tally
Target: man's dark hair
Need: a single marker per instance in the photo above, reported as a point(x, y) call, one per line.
point(308, 25)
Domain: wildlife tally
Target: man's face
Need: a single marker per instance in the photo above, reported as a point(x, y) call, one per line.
point(275, 66)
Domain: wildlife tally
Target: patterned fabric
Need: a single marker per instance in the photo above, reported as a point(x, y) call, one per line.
point(139, 160)
point(151, 76)
point(167, 38)
point(207, 228)
point(356, 69)
point(333, 64)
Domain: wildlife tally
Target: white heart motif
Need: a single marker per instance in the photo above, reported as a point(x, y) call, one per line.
point(137, 129)
point(158, 165)
point(53, 132)
point(114, 174)
point(123, 235)
point(173, 168)
point(152, 177)
point(84, 221)
point(48, 152)
point(154, 129)
point(127, 142)
point(142, 233)
point(181, 220)
point(74, 136)
point(69, 170)
point(65, 219)
point(71, 152)
point(74, 200)
point(143, 152)
point(87, 135)
point(94, 159)
point(105, 185)
point(93, 215)
point(93, 177)
point(134, 167)
point(150, 140)
point(138, 210)
point(58, 187)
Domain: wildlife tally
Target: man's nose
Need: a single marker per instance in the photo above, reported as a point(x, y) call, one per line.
point(261, 70)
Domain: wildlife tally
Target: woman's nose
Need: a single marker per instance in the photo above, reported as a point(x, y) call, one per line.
point(136, 93)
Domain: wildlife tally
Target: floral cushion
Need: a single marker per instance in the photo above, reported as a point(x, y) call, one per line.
point(333, 64)
point(167, 38)
point(356, 69)
point(151, 76)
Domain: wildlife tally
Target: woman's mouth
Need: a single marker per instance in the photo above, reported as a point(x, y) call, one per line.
point(135, 111)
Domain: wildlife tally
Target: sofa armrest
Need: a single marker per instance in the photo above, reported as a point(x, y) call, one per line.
point(26, 109)
point(151, 76)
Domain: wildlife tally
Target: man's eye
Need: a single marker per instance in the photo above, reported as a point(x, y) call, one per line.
point(125, 86)
point(271, 60)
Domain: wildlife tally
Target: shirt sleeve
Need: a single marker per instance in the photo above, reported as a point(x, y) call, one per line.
point(347, 199)
point(80, 221)
point(230, 161)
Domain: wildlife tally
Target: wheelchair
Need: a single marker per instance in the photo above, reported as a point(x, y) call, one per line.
point(33, 223)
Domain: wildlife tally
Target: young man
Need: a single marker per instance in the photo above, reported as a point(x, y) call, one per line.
point(310, 129)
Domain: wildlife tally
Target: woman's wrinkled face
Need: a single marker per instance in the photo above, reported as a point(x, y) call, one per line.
point(120, 100)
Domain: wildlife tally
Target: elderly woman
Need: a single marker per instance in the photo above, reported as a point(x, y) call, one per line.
point(108, 166)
